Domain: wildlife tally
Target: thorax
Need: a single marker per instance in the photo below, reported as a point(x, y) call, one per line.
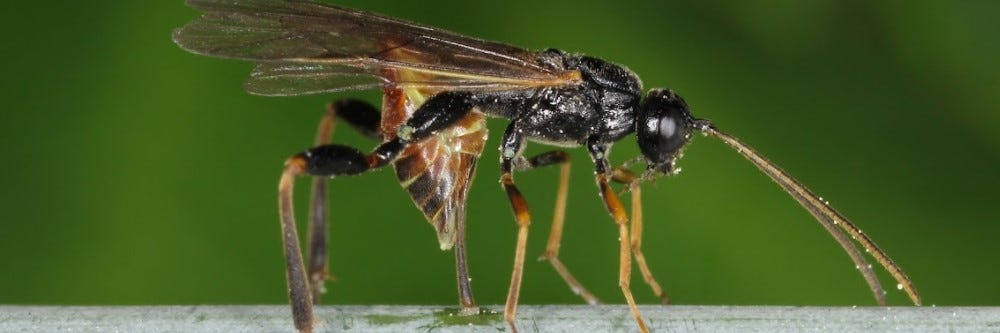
point(604, 104)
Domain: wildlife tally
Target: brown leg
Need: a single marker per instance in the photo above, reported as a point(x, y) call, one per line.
point(626, 177)
point(640, 259)
point(523, 218)
point(365, 119)
point(361, 116)
point(298, 287)
point(555, 235)
point(598, 152)
point(617, 211)
point(465, 300)
point(511, 147)
point(319, 269)
point(338, 160)
point(326, 160)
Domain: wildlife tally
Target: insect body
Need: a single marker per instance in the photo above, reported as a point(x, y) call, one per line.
point(438, 89)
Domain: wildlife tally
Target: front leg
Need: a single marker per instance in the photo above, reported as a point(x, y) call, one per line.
point(602, 173)
point(623, 176)
point(439, 112)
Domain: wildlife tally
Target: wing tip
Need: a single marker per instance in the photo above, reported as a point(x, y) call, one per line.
point(182, 40)
point(176, 36)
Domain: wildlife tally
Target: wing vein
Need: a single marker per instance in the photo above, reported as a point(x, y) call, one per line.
point(306, 33)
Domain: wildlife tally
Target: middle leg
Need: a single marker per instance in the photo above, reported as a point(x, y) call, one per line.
point(558, 217)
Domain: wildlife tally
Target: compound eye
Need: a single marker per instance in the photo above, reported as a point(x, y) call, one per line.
point(663, 127)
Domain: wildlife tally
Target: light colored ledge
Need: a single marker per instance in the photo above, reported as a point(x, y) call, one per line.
point(551, 318)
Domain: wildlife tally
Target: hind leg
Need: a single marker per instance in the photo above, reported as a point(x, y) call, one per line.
point(364, 118)
point(438, 113)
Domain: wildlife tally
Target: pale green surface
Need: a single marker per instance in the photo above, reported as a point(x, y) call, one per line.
point(569, 319)
point(136, 173)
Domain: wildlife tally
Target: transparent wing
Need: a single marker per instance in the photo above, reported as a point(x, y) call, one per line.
point(314, 47)
point(286, 79)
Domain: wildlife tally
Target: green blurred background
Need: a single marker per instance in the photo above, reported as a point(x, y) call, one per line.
point(136, 173)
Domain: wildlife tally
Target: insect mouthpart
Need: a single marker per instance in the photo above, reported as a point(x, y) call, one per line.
point(668, 168)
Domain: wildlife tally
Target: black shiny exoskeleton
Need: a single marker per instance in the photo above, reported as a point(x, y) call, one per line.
point(597, 112)
point(438, 87)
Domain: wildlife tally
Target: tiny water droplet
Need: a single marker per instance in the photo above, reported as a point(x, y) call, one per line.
point(899, 286)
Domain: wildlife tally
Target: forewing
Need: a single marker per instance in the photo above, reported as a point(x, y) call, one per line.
point(343, 45)
point(287, 79)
